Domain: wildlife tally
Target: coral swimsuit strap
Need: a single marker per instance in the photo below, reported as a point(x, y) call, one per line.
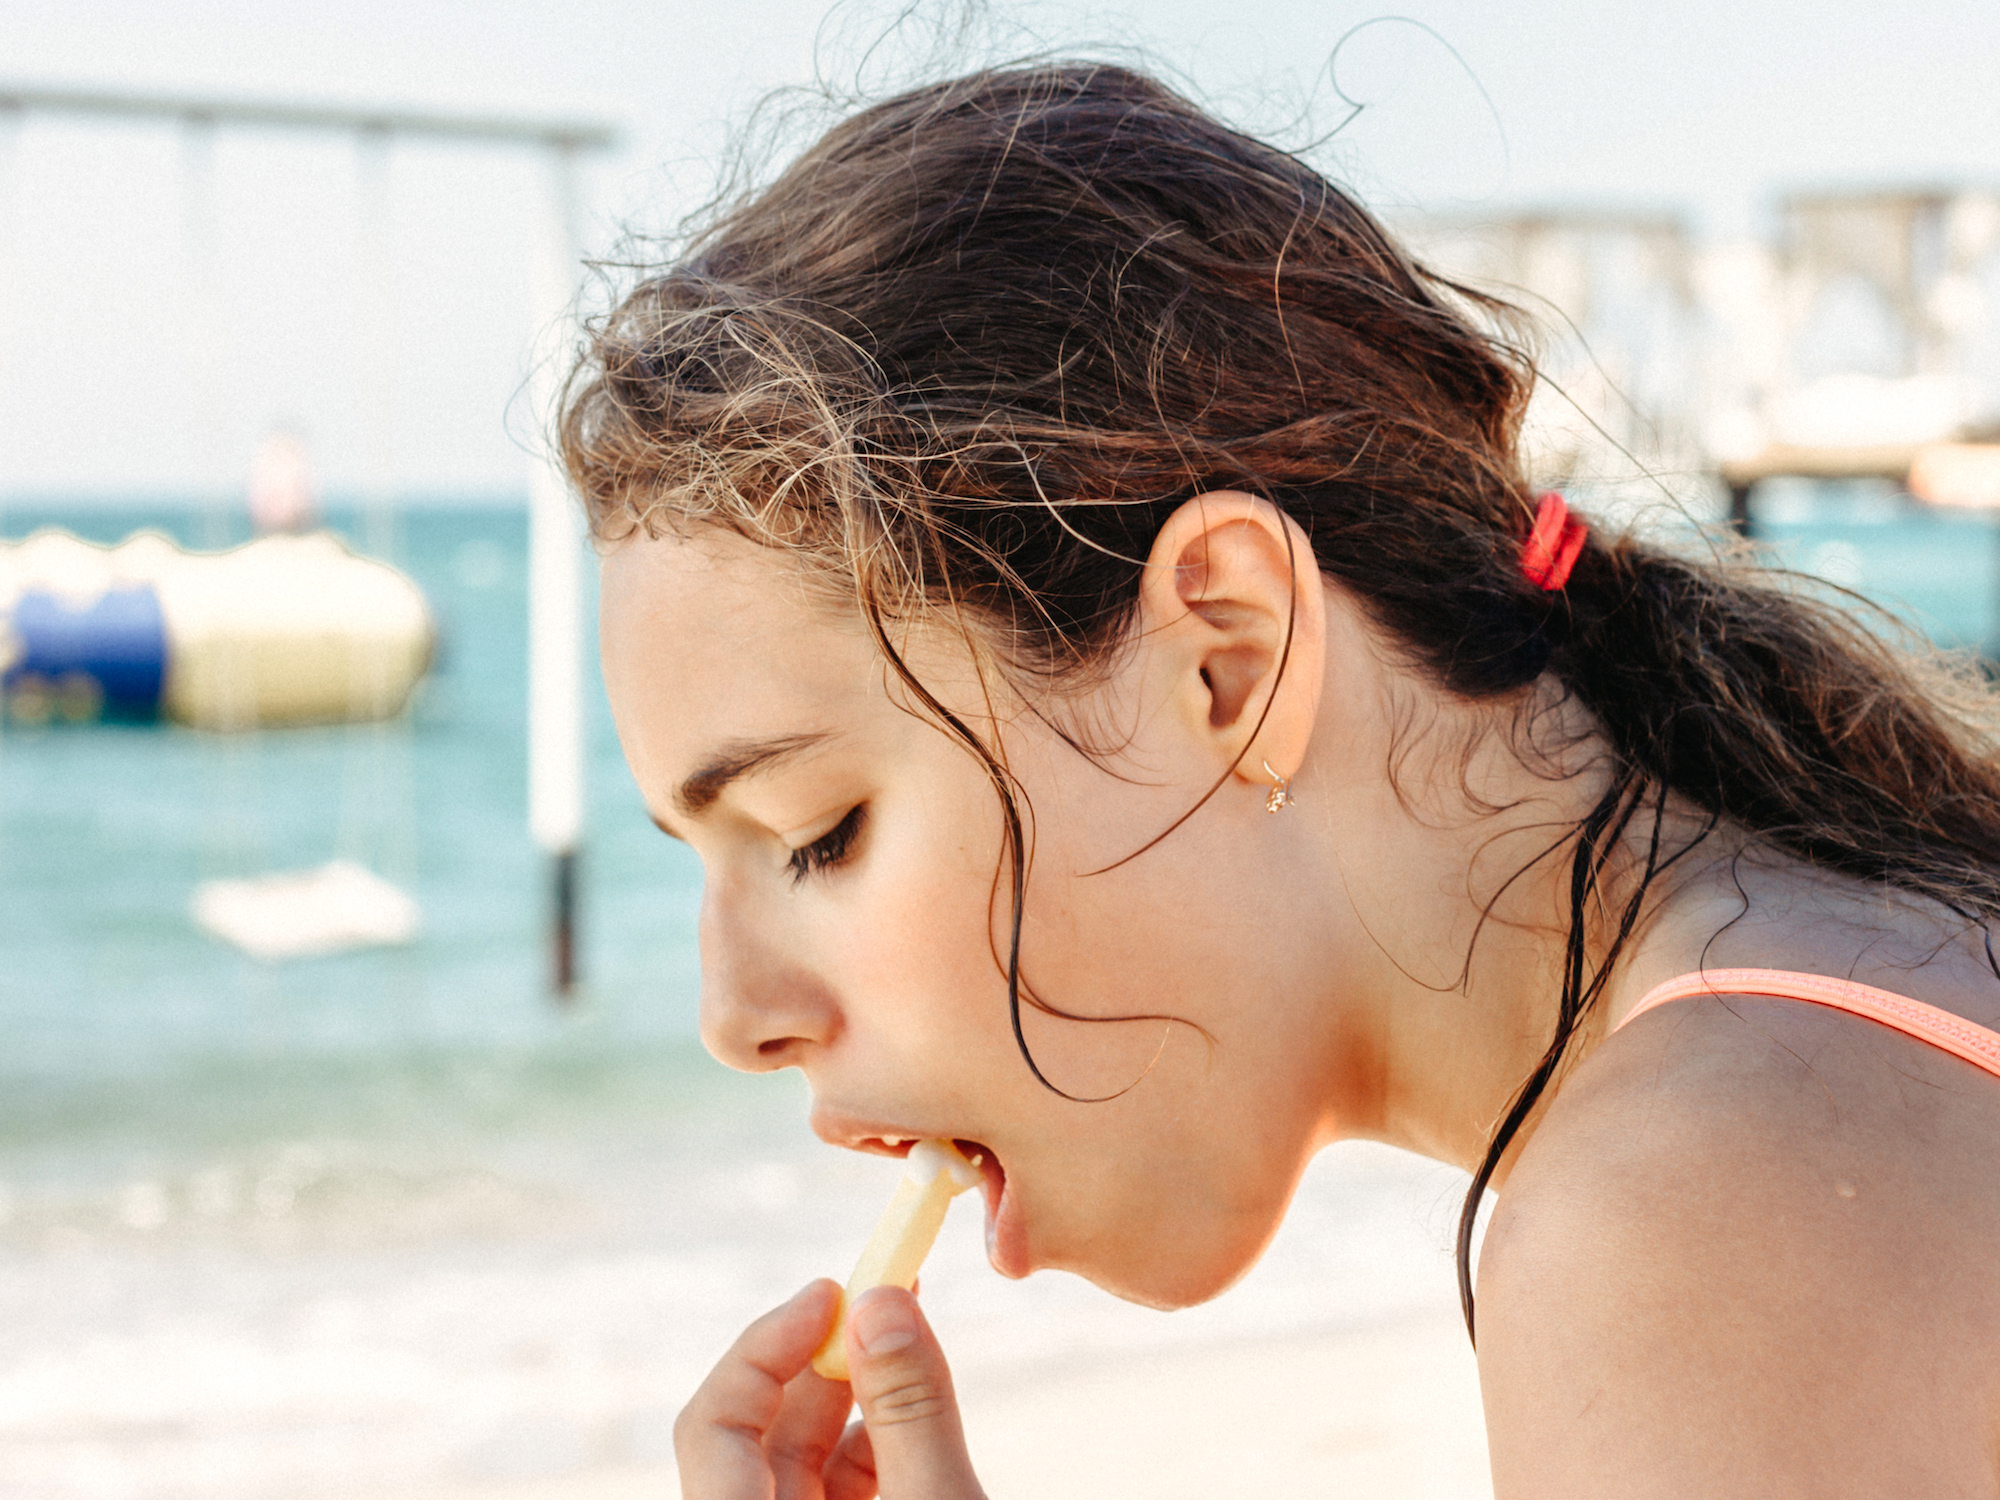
point(1927, 1023)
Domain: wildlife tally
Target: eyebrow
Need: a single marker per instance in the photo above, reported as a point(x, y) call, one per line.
point(735, 761)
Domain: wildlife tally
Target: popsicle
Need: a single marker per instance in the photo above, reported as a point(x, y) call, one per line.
point(933, 1174)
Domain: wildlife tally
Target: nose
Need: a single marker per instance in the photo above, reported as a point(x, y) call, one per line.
point(762, 1006)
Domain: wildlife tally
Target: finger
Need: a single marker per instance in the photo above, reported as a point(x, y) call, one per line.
point(904, 1389)
point(802, 1438)
point(718, 1438)
point(850, 1473)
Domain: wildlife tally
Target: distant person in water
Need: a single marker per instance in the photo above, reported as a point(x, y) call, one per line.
point(1073, 579)
point(282, 495)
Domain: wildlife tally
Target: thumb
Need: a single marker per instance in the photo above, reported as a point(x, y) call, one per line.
point(903, 1387)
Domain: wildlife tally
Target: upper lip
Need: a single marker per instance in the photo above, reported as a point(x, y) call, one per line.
point(868, 1135)
point(857, 1134)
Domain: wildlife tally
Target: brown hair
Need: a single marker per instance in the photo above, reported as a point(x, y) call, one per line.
point(968, 352)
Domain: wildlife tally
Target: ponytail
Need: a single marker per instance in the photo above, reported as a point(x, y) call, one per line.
point(1777, 713)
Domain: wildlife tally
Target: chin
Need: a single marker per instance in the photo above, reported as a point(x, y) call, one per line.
point(1185, 1277)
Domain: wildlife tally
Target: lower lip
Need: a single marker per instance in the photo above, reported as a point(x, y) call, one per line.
point(1006, 1238)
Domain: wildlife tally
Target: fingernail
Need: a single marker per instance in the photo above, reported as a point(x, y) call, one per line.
point(884, 1323)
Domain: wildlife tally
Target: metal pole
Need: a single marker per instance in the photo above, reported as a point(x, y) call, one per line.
point(1990, 649)
point(375, 340)
point(201, 236)
point(555, 593)
point(1739, 508)
point(11, 341)
point(236, 844)
point(586, 135)
point(375, 815)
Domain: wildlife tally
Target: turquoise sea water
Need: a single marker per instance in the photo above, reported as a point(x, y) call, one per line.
point(119, 1019)
point(1939, 570)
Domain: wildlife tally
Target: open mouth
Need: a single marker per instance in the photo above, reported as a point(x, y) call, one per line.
point(1005, 1248)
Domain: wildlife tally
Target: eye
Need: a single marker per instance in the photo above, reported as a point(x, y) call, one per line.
point(830, 848)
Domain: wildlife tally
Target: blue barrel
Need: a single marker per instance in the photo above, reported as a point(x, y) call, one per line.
point(107, 659)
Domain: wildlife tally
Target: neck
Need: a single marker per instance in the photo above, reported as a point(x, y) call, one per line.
point(1455, 869)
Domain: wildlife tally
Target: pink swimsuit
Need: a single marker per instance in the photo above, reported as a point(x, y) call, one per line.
point(1940, 1028)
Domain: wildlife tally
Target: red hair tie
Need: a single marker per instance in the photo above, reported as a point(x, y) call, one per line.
point(1552, 547)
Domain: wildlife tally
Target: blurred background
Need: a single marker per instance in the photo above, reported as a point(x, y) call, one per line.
point(324, 1168)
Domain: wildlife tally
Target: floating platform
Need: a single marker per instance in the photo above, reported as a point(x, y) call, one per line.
point(281, 631)
point(307, 913)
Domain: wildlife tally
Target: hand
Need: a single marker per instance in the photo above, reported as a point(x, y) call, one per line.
point(765, 1426)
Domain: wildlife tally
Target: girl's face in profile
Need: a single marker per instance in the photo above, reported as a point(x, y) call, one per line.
point(855, 910)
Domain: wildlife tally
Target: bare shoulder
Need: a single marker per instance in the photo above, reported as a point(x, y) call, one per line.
point(1749, 1251)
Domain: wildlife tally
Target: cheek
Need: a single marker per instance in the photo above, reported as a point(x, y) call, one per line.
point(1170, 937)
point(913, 934)
point(919, 936)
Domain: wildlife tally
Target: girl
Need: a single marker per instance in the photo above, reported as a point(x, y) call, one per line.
point(1072, 579)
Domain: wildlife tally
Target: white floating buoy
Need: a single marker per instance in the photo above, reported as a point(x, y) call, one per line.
point(286, 630)
point(307, 913)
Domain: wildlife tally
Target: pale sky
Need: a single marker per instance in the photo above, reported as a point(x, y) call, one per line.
point(1706, 108)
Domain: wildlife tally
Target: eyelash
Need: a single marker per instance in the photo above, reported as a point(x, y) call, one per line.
point(829, 849)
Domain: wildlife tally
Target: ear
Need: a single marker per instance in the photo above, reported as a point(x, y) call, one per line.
point(1232, 608)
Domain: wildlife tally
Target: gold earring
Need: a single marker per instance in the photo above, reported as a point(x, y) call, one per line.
point(1280, 796)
